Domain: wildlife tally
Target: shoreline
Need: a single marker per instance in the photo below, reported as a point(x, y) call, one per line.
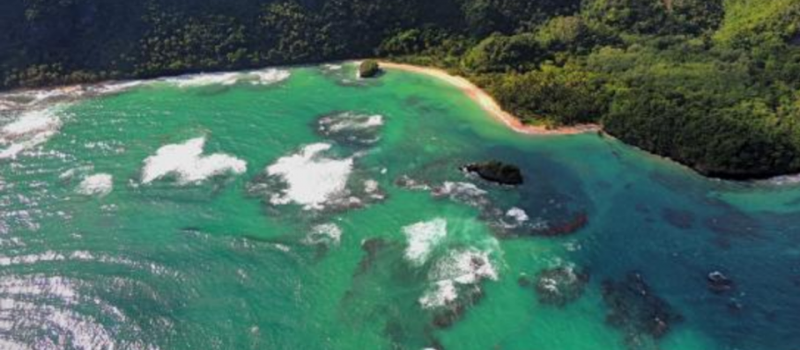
point(488, 103)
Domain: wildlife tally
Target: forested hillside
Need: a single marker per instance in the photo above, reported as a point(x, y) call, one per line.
point(714, 84)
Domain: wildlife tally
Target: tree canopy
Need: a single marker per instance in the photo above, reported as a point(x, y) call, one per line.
point(714, 84)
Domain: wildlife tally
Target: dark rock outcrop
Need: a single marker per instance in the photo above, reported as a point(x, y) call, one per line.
point(369, 69)
point(497, 172)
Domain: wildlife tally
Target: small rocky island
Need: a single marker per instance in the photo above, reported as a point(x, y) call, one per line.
point(496, 171)
point(369, 69)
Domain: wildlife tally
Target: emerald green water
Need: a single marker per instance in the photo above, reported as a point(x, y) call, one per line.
point(216, 262)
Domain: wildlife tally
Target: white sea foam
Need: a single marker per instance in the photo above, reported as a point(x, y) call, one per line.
point(370, 186)
point(35, 99)
point(270, 76)
point(96, 185)
point(198, 80)
point(518, 214)
point(114, 87)
point(332, 67)
point(324, 234)
point(48, 256)
point(312, 179)
point(423, 237)
point(442, 294)
point(31, 123)
point(31, 129)
point(459, 189)
point(350, 121)
point(464, 192)
point(460, 267)
point(259, 77)
point(186, 162)
point(784, 180)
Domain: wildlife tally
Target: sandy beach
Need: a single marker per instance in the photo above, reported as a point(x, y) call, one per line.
point(488, 103)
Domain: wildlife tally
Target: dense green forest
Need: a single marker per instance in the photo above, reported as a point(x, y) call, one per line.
point(714, 84)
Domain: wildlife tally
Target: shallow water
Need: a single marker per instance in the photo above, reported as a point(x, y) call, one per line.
point(311, 210)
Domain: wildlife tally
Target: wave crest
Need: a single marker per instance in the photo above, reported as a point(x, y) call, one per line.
point(96, 185)
point(312, 179)
point(31, 129)
point(186, 162)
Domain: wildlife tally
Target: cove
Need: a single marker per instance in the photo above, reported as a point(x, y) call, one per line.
point(303, 208)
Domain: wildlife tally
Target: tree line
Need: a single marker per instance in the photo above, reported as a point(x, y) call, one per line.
point(714, 84)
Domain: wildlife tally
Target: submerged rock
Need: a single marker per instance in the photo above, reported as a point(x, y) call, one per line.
point(448, 316)
point(497, 172)
point(719, 283)
point(372, 247)
point(457, 285)
point(637, 310)
point(575, 224)
point(561, 285)
point(681, 219)
point(369, 69)
point(408, 183)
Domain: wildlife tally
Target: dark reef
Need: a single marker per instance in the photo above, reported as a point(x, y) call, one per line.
point(561, 285)
point(637, 310)
point(496, 171)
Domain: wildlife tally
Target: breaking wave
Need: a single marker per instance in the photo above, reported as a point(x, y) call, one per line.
point(329, 234)
point(466, 267)
point(423, 237)
point(258, 77)
point(311, 178)
point(30, 129)
point(96, 185)
point(351, 127)
point(186, 162)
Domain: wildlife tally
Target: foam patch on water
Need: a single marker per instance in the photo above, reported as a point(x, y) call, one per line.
point(312, 179)
point(332, 67)
point(517, 214)
point(350, 121)
point(258, 77)
point(444, 293)
point(30, 129)
point(324, 234)
point(459, 191)
point(26, 100)
point(198, 80)
point(460, 267)
point(423, 237)
point(48, 256)
point(96, 185)
point(186, 162)
point(784, 180)
point(270, 76)
point(372, 188)
point(115, 87)
point(351, 127)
